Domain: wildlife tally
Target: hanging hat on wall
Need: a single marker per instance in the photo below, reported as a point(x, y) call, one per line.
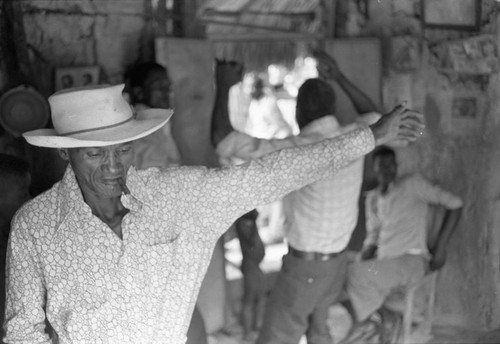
point(23, 109)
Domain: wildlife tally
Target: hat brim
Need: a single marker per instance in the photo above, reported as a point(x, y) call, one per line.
point(129, 131)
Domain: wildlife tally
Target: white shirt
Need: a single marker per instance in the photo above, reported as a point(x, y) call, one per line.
point(397, 220)
point(321, 216)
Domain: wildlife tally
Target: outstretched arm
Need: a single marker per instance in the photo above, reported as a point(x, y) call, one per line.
point(237, 189)
point(330, 71)
point(227, 74)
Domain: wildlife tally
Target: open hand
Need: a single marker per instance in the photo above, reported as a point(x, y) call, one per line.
point(326, 65)
point(400, 126)
point(228, 73)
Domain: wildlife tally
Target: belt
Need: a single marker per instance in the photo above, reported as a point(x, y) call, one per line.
point(313, 255)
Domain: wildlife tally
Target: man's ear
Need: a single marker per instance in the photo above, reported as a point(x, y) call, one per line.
point(63, 153)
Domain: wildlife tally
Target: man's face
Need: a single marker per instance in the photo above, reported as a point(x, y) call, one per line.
point(385, 168)
point(157, 90)
point(98, 169)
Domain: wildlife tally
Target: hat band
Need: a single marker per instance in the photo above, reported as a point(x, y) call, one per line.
point(98, 128)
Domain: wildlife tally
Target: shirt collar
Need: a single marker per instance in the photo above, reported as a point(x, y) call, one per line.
point(325, 124)
point(72, 198)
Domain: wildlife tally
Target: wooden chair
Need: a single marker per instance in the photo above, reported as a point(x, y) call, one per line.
point(437, 238)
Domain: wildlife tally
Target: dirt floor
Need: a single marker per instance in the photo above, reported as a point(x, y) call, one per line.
point(339, 320)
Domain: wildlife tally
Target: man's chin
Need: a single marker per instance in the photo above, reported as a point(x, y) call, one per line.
point(110, 192)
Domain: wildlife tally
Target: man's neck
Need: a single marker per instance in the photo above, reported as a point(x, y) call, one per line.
point(384, 187)
point(109, 210)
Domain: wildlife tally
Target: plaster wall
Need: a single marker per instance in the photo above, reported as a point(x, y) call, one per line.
point(72, 33)
point(463, 157)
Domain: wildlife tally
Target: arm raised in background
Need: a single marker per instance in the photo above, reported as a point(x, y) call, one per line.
point(329, 70)
point(227, 74)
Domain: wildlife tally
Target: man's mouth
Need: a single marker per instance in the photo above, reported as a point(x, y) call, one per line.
point(112, 181)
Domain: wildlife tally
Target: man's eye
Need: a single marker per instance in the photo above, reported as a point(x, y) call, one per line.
point(94, 154)
point(124, 150)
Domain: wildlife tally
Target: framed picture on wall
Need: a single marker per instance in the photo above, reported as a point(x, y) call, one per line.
point(464, 107)
point(464, 112)
point(451, 14)
point(67, 77)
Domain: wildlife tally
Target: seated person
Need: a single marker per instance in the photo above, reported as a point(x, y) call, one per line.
point(395, 251)
point(253, 251)
point(15, 180)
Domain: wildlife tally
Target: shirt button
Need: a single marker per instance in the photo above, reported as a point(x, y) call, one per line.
point(310, 280)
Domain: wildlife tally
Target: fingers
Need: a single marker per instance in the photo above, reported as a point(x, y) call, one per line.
point(399, 109)
point(408, 134)
point(413, 120)
point(414, 115)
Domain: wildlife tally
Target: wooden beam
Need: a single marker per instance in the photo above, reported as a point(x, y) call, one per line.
point(267, 36)
point(269, 29)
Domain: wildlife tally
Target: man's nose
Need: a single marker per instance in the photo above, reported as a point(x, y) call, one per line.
point(113, 163)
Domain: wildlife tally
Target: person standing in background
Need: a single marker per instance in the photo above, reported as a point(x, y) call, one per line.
point(149, 87)
point(320, 217)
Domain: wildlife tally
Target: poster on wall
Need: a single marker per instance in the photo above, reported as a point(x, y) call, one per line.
point(67, 77)
point(451, 14)
point(464, 113)
point(474, 55)
point(405, 53)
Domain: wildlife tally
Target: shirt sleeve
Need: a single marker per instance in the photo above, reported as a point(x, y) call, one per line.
point(238, 189)
point(24, 313)
point(373, 224)
point(238, 145)
point(434, 194)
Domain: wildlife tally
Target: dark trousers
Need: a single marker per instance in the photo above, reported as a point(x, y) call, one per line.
point(300, 300)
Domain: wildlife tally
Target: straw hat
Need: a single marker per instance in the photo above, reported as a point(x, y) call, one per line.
point(95, 116)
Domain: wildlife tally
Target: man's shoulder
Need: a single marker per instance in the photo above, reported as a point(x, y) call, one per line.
point(326, 126)
point(40, 211)
point(152, 180)
point(413, 180)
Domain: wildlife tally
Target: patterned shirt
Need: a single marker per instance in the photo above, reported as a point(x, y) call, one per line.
point(96, 288)
point(321, 216)
point(397, 220)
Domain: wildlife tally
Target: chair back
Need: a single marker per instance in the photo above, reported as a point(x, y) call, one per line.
point(435, 218)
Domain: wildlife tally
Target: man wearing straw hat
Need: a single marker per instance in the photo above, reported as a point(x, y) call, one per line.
point(111, 254)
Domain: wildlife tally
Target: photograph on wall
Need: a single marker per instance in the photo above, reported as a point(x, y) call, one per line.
point(464, 107)
point(474, 55)
point(451, 14)
point(465, 113)
point(68, 77)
